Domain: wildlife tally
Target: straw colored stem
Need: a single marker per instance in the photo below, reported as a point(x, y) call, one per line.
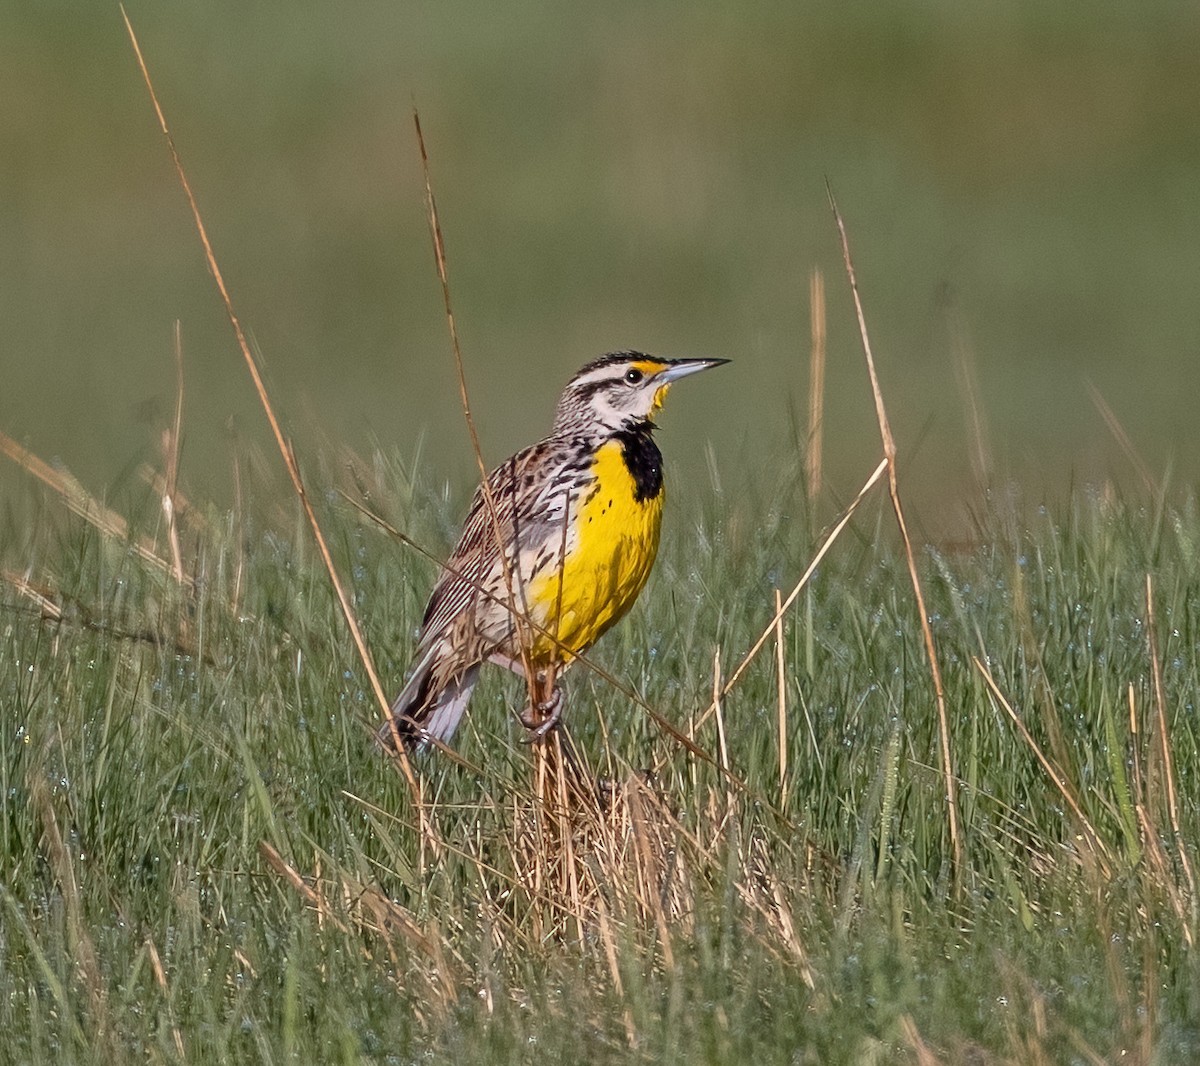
point(281, 441)
point(1168, 762)
point(889, 450)
point(816, 383)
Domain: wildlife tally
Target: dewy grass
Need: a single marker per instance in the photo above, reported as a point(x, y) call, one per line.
point(205, 857)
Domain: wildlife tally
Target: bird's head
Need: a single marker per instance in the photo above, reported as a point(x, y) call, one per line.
point(622, 390)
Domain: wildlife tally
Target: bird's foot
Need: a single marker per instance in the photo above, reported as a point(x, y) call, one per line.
point(541, 718)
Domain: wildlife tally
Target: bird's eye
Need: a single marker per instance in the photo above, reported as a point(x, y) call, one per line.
point(633, 376)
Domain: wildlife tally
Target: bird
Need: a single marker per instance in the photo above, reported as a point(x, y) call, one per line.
point(557, 545)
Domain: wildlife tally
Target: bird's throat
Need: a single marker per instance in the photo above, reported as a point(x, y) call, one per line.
point(642, 459)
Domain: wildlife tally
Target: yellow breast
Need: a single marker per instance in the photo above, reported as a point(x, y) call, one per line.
point(612, 549)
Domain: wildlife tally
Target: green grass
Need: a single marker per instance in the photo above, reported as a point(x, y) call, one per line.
point(203, 856)
point(140, 782)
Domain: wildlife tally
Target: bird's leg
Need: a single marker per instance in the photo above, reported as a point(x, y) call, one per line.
point(509, 663)
point(543, 712)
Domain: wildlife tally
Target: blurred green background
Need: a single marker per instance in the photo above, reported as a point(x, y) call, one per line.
point(1021, 181)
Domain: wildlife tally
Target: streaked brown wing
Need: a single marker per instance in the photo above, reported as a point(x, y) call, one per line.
point(525, 512)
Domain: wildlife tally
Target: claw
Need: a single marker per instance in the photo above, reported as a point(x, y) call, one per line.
point(549, 713)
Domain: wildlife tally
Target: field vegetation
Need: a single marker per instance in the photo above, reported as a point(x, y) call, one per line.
point(829, 794)
point(206, 858)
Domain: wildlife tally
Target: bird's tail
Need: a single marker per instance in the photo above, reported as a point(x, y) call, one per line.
point(428, 707)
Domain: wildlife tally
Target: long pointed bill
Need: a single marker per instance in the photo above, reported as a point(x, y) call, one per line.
point(676, 369)
point(681, 368)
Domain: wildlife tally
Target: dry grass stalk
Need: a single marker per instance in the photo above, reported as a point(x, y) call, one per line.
point(82, 503)
point(428, 830)
point(160, 978)
point(650, 867)
point(1030, 1027)
point(1090, 1053)
point(1114, 947)
point(1025, 1023)
point(830, 538)
point(1121, 436)
point(389, 919)
point(56, 607)
point(614, 970)
point(632, 878)
point(586, 857)
point(560, 827)
point(781, 678)
point(1168, 764)
point(723, 746)
point(82, 946)
point(239, 570)
point(968, 385)
point(184, 510)
point(289, 874)
point(562, 808)
point(543, 846)
point(1138, 789)
point(39, 594)
point(787, 933)
point(761, 889)
point(912, 1037)
point(1156, 867)
point(717, 707)
point(950, 782)
point(816, 382)
point(1149, 1014)
point(170, 446)
point(574, 855)
point(368, 911)
point(1096, 845)
point(570, 859)
point(439, 254)
point(648, 831)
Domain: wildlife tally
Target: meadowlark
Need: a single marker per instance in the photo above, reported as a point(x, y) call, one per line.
point(578, 515)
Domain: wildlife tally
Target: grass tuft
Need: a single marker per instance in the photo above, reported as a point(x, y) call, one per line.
point(207, 858)
point(206, 852)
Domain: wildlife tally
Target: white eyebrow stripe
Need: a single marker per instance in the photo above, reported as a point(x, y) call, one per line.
point(599, 375)
point(615, 371)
